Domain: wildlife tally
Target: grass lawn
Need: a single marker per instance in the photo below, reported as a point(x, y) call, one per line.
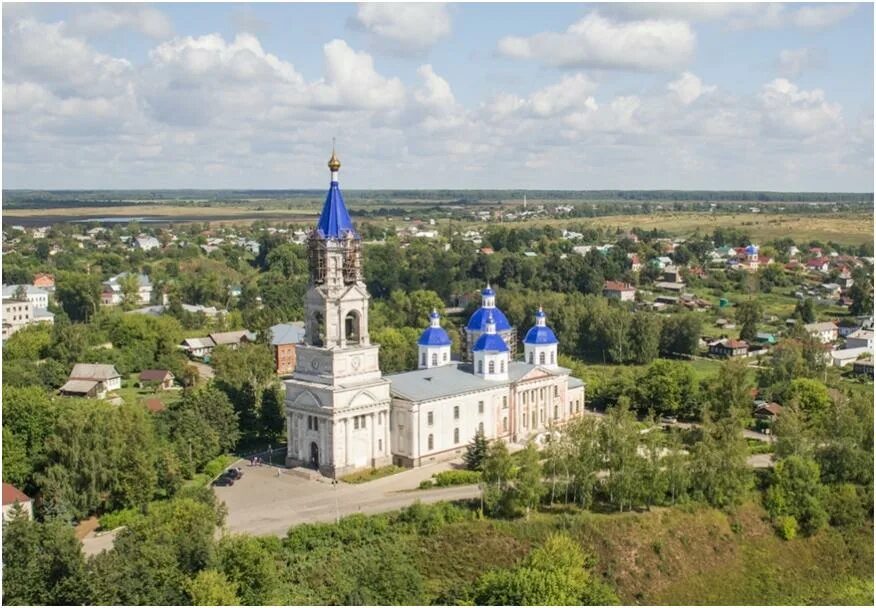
point(131, 393)
point(372, 474)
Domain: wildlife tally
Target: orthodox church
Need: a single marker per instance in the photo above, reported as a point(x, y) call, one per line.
point(343, 414)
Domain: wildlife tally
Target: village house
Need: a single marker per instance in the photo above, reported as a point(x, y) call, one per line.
point(728, 348)
point(818, 264)
point(284, 338)
point(13, 496)
point(862, 338)
point(826, 332)
point(92, 380)
point(37, 296)
point(845, 356)
point(863, 367)
point(44, 281)
point(162, 379)
point(112, 294)
point(146, 243)
point(619, 291)
point(198, 348)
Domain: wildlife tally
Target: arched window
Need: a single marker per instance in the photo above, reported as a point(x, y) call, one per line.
point(541, 358)
point(317, 329)
point(431, 442)
point(434, 358)
point(491, 367)
point(480, 367)
point(351, 327)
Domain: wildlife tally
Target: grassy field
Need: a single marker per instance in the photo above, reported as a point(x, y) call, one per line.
point(671, 556)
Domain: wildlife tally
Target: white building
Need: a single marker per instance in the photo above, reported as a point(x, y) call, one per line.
point(826, 332)
point(113, 295)
point(13, 496)
point(37, 296)
point(862, 338)
point(146, 243)
point(344, 415)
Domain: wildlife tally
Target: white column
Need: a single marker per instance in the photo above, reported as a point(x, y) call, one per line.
point(347, 459)
point(373, 420)
point(387, 434)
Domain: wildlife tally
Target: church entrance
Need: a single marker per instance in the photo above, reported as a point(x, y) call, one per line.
point(314, 455)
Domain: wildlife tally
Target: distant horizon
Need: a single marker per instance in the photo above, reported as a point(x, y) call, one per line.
point(400, 189)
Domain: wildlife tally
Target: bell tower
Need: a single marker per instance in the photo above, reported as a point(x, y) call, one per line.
point(337, 402)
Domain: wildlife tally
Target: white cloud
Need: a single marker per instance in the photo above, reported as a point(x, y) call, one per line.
point(792, 62)
point(570, 93)
point(144, 19)
point(689, 88)
point(435, 92)
point(790, 111)
point(595, 41)
point(404, 27)
point(352, 81)
point(43, 52)
point(738, 15)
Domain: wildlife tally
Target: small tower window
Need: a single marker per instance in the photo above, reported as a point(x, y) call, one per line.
point(480, 367)
point(531, 357)
point(541, 358)
point(491, 367)
point(423, 360)
point(431, 442)
point(552, 357)
point(434, 358)
point(481, 427)
point(445, 357)
point(317, 329)
point(456, 412)
point(455, 435)
point(351, 327)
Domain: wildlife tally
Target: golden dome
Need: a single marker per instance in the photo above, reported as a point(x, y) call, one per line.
point(334, 164)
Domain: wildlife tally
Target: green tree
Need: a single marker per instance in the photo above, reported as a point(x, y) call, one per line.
point(804, 310)
point(476, 452)
point(528, 485)
point(796, 490)
point(644, 337)
point(730, 390)
point(211, 588)
point(248, 564)
point(498, 475)
point(245, 375)
point(585, 459)
point(554, 574)
point(811, 396)
point(681, 334)
point(42, 563)
point(748, 315)
point(719, 468)
point(619, 440)
point(667, 387)
point(78, 294)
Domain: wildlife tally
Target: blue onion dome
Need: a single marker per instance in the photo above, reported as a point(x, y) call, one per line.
point(490, 341)
point(751, 249)
point(434, 335)
point(478, 321)
point(540, 333)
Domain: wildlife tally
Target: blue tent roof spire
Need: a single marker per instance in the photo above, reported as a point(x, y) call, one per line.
point(334, 221)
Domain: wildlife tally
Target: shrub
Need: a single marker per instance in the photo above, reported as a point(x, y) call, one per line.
point(122, 517)
point(844, 505)
point(426, 484)
point(456, 478)
point(214, 467)
point(786, 526)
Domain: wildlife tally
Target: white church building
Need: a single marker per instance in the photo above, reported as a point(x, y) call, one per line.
point(343, 414)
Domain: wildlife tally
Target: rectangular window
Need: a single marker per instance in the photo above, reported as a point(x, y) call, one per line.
point(456, 412)
point(480, 407)
point(556, 412)
point(380, 445)
point(481, 427)
point(556, 391)
point(363, 421)
point(315, 423)
point(455, 436)
point(505, 423)
point(356, 423)
point(505, 402)
point(430, 418)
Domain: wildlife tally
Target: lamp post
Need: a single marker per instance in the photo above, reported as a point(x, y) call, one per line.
point(335, 492)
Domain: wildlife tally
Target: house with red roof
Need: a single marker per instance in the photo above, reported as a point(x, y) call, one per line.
point(13, 496)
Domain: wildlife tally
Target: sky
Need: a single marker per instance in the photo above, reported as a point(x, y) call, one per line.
point(458, 96)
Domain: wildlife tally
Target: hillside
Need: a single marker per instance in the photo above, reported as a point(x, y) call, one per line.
point(671, 556)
